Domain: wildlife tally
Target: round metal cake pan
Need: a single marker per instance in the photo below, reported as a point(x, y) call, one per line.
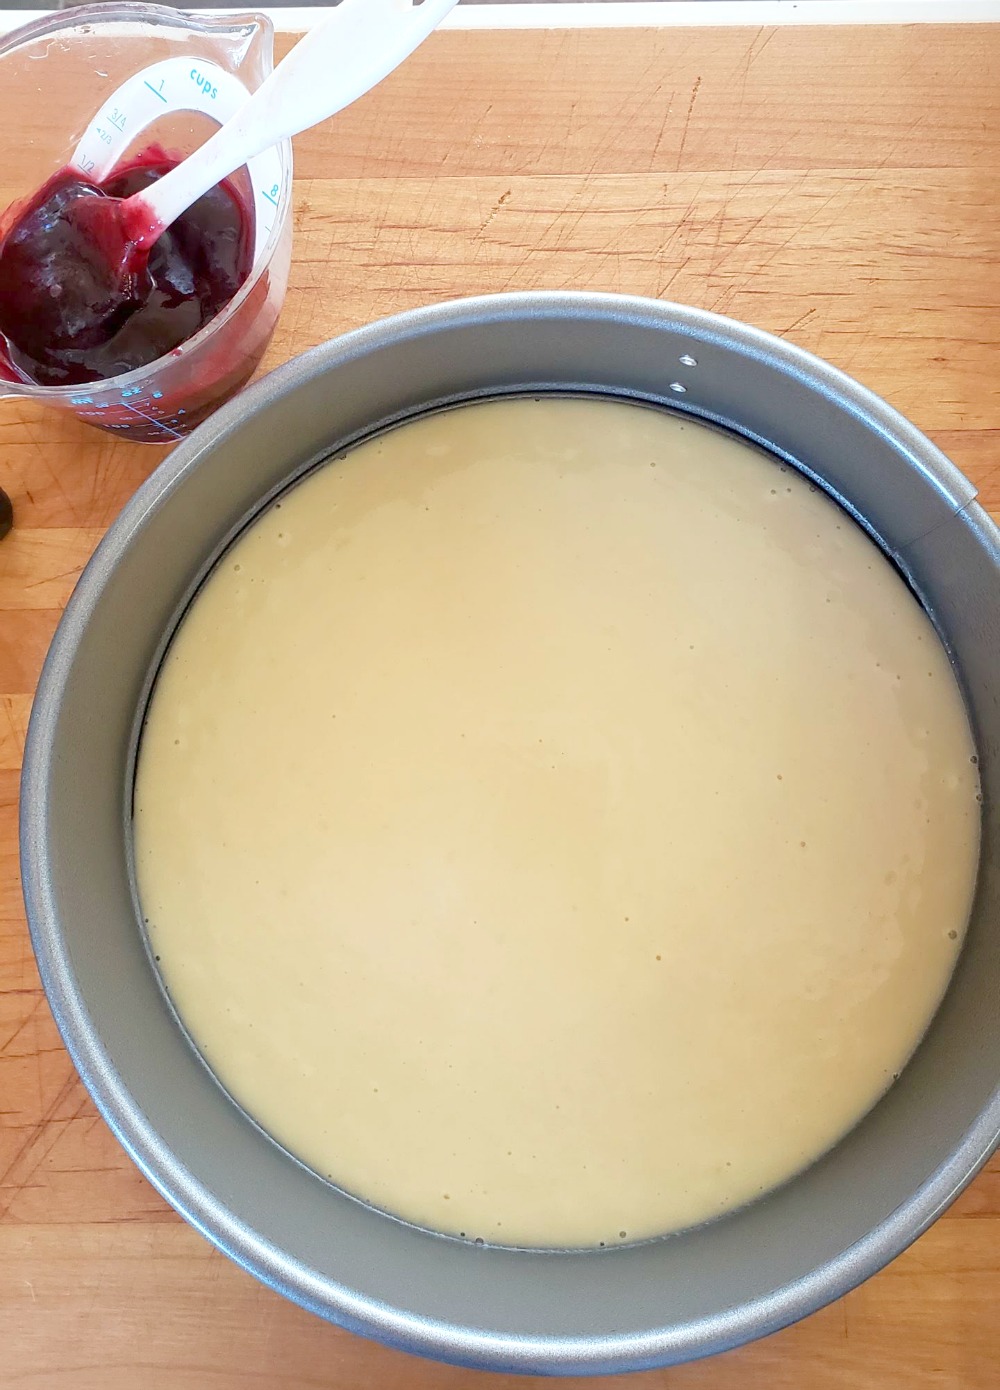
point(668, 1300)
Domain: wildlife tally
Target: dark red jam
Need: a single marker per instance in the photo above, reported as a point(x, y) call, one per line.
point(80, 303)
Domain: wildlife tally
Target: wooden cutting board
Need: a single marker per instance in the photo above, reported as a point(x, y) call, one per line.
point(838, 187)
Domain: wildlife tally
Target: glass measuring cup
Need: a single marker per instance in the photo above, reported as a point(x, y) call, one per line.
point(99, 83)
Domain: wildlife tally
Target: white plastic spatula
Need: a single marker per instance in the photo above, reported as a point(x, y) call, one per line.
point(74, 262)
point(334, 64)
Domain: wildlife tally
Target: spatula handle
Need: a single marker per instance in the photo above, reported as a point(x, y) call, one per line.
point(334, 64)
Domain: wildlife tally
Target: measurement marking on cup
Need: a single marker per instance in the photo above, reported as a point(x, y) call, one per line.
point(160, 425)
point(270, 196)
point(154, 90)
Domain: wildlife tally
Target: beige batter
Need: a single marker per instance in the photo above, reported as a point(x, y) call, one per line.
point(556, 822)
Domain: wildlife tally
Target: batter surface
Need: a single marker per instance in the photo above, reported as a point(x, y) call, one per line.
point(556, 822)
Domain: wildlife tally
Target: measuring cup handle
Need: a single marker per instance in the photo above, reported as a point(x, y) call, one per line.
point(334, 64)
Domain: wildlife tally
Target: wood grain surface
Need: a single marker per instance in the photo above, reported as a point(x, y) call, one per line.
point(837, 187)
